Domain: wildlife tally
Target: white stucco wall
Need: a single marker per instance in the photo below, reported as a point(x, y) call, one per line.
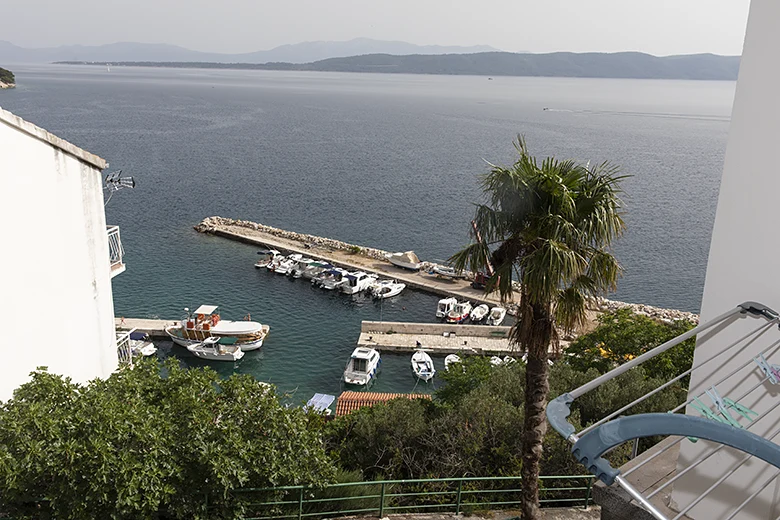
point(56, 296)
point(743, 265)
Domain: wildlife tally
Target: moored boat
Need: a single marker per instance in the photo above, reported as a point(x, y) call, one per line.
point(213, 350)
point(444, 307)
point(141, 344)
point(422, 365)
point(205, 323)
point(450, 360)
point(459, 313)
point(312, 270)
point(496, 316)
point(332, 278)
point(478, 313)
point(362, 367)
point(288, 263)
point(356, 281)
point(386, 289)
point(266, 257)
point(406, 260)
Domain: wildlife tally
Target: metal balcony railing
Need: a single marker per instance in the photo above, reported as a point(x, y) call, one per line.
point(124, 349)
point(116, 252)
point(727, 422)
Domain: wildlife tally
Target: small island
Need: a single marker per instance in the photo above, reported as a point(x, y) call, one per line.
point(7, 79)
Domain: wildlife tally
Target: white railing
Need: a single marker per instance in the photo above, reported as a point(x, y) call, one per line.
point(116, 252)
point(124, 349)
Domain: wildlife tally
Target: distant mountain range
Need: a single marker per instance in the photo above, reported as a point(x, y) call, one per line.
point(305, 52)
point(560, 64)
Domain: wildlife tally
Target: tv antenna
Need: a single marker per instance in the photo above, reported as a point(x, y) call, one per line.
point(115, 182)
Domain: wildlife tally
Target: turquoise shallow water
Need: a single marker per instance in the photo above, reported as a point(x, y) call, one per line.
point(389, 161)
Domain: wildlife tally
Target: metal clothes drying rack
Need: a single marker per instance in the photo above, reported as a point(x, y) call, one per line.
point(720, 424)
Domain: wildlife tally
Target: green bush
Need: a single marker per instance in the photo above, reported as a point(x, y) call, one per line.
point(138, 445)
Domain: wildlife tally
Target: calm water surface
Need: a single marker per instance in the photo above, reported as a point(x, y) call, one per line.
point(389, 161)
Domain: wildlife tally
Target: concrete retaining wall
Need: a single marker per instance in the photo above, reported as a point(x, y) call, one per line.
point(435, 329)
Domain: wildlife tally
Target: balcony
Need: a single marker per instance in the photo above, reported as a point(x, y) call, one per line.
point(116, 252)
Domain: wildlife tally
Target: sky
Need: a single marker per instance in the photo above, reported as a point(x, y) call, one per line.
point(660, 27)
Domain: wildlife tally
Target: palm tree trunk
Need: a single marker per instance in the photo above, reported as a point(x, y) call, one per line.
point(536, 389)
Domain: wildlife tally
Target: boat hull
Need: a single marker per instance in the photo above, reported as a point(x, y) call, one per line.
point(211, 355)
point(246, 345)
point(405, 265)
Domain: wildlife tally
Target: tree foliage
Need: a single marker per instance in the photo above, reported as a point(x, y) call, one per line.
point(6, 76)
point(623, 335)
point(143, 445)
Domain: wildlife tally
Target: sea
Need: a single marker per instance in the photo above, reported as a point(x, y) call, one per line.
point(383, 160)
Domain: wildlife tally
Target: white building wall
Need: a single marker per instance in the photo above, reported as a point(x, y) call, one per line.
point(56, 295)
point(743, 265)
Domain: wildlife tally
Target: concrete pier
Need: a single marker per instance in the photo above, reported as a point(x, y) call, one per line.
point(435, 338)
point(460, 289)
point(155, 328)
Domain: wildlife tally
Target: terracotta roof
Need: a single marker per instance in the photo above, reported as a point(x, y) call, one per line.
point(351, 401)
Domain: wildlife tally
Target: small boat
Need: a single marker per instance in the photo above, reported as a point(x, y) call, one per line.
point(356, 281)
point(288, 263)
point(205, 322)
point(479, 313)
point(445, 306)
point(321, 403)
point(387, 289)
point(496, 361)
point(447, 272)
point(362, 367)
point(312, 270)
point(450, 360)
point(266, 257)
point(332, 278)
point(496, 316)
point(275, 262)
point(298, 267)
point(406, 260)
point(141, 344)
point(508, 360)
point(422, 365)
point(459, 313)
point(213, 350)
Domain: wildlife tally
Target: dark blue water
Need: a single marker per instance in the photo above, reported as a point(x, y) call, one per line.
point(389, 161)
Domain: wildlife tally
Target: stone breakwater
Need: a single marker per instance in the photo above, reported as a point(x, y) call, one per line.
point(666, 315)
point(212, 224)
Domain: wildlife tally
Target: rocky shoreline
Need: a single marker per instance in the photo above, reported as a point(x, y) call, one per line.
point(7, 85)
point(212, 224)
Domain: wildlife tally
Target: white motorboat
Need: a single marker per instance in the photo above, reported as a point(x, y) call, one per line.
point(496, 361)
point(275, 262)
point(332, 278)
point(362, 367)
point(406, 260)
point(447, 272)
point(213, 350)
point(496, 316)
point(422, 365)
point(205, 323)
point(459, 313)
point(299, 266)
point(314, 269)
point(479, 313)
point(356, 281)
point(387, 289)
point(266, 257)
point(288, 263)
point(445, 306)
point(141, 344)
point(450, 360)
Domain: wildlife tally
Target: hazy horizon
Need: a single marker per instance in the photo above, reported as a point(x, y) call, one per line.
point(661, 27)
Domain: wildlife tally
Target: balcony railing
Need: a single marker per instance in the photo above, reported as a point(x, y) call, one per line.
point(116, 252)
point(124, 349)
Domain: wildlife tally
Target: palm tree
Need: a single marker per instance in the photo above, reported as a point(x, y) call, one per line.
point(550, 227)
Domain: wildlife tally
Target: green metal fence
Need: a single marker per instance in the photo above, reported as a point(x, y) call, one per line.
point(405, 496)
